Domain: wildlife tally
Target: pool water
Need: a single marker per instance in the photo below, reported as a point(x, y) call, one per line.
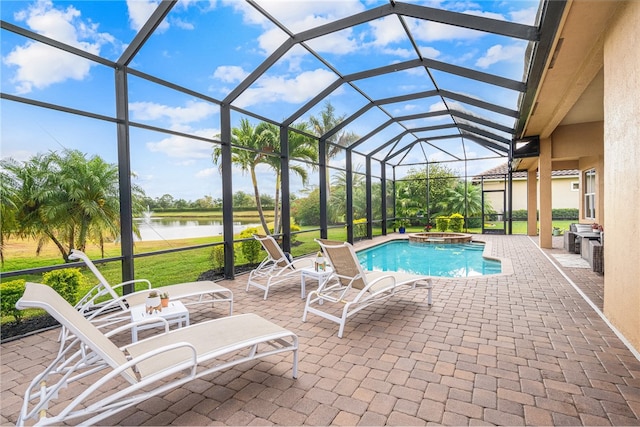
point(447, 260)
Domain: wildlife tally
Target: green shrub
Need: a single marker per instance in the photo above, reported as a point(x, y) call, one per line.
point(360, 227)
point(294, 228)
point(559, 214)
point(65, 282)
point(474, 222)
point(217, 257)
point(10, 293)
point(519, 215)
point(250, 248)
point(565, 213)
point(456, 221)
point(442, 223)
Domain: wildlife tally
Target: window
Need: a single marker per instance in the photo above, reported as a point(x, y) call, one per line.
point(590, 194)
point(575, 186)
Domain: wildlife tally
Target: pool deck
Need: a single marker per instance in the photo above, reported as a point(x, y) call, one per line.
point(524, 348)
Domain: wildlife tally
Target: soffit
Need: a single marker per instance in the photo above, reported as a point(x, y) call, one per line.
point(571, 90)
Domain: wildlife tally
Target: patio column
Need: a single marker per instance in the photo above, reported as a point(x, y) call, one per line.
point(544, 179)
point(532, 202)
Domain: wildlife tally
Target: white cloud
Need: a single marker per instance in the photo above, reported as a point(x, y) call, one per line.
point(180, 23)
point(270, 40)
point(140, 11)
point(298, 15)
point(429, 52)
point(230, 74)
point(32, 73)
point(271, 89)
point(453, 105)
point(38, 65)
point(525, 16)
point(178, 147)
point(435, 31)
point(499, 53)
point(338, 43)
point(387, 30)
point(193, 111)
point(402, 53)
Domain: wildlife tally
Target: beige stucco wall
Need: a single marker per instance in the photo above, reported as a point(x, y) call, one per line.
point(562, 195)
point(622, 172)
point(573, 142)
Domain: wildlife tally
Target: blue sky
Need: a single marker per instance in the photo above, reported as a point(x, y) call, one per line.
point(210, 47)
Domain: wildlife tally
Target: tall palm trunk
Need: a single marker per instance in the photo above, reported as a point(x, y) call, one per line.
point(277, 218)
point(256, 193)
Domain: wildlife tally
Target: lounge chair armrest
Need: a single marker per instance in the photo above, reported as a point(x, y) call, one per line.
point(160, 350)
point(129, 282)
point(107, 306)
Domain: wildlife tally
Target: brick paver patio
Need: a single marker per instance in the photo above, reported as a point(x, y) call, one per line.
point(518, 349)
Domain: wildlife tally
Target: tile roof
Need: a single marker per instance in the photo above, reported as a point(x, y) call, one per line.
point(499, 171)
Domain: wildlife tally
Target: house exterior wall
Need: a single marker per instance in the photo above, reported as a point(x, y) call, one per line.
point(622, 172)
point(562, 195)
point(574, 141)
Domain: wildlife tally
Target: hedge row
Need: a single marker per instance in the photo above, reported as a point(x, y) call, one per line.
point(564, 213)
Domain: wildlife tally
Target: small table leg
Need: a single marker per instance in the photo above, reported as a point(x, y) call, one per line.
point(303, 291)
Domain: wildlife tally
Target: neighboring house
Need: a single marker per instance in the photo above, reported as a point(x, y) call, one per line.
point(565, 188)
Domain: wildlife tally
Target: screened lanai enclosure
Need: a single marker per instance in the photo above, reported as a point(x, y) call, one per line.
point(323, 118)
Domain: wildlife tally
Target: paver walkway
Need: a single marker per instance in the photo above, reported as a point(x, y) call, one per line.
point(517, 349)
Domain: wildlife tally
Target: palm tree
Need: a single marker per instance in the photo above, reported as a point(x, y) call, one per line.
point(63, 198)
point(337, 202)
point(323, 124)
point(457, 200)
point(89, 193)
point(8, 209)
point(300, 147)
point(30, 190)
point(248, 159)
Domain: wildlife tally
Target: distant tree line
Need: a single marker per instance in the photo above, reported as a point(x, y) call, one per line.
point(240, 200)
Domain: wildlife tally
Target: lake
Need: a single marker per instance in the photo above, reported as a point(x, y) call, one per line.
point(176, 228)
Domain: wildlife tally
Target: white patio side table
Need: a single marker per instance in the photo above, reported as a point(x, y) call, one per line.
point(309, 272)
point(176, 314)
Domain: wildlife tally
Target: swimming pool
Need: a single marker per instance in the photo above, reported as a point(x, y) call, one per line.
point(445, 260)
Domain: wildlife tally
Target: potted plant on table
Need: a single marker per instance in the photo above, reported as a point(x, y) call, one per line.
point(164, 299)
point(153, 302)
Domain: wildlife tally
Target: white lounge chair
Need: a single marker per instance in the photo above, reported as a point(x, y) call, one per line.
point(353, 289)
point(149, 367)
point(276, 268)
point(103, 297)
